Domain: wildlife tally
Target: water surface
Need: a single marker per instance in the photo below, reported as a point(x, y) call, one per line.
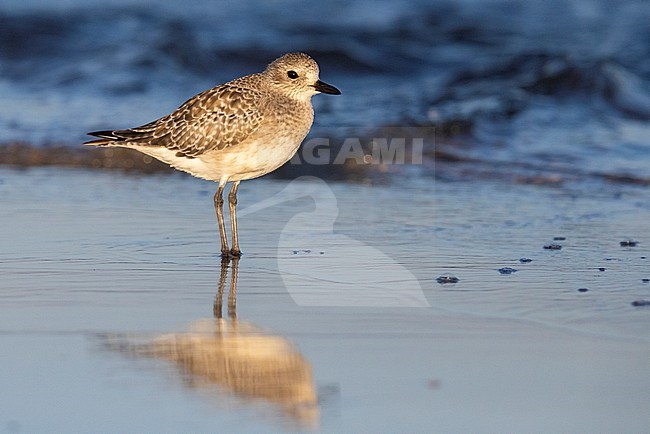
point(89, 258)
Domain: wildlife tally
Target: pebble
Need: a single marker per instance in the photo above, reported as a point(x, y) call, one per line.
point(447, 278)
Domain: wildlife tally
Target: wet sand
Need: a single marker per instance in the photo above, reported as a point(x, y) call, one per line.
point(95, 263)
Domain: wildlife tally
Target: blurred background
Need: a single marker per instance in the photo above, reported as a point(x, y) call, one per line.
point(531, 91)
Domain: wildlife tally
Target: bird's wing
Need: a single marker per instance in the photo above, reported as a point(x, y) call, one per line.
point(212, 120)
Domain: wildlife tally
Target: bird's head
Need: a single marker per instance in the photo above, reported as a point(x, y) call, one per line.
point(296, 76)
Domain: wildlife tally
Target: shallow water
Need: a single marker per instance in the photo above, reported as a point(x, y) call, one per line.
point(94, 264)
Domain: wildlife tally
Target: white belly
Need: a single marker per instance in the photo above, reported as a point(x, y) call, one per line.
point(246, 160)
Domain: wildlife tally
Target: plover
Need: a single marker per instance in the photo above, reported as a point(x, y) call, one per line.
point(240, 130)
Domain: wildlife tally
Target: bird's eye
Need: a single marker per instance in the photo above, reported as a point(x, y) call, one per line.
point(292, 75)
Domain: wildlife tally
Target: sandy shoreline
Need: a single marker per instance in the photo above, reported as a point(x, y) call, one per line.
point(88, 253)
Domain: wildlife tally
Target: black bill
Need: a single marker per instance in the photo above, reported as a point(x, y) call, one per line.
point(326, 88)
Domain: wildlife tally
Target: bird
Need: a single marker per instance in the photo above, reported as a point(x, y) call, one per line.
point(236, 131)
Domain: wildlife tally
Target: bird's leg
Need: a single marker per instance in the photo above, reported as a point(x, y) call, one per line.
point(232, 204)
point(218, 206)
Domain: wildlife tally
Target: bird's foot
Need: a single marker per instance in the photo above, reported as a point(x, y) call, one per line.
point(227, 255)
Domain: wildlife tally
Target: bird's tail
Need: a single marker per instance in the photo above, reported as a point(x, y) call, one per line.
point(106, 138)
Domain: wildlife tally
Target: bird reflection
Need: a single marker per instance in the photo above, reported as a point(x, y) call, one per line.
point(240, 358)
point(217, 308)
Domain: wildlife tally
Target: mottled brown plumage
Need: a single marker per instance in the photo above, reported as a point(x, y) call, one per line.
point(212, 120)
point(240, 130)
